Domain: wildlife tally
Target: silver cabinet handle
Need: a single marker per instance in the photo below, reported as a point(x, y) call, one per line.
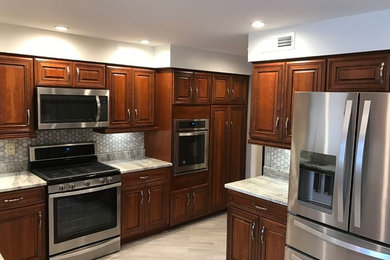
point(381, 72)
point(142, 197)
point(193, 197)
point(129, 114)
point(40, 219)
point(28, 117)
point(188, 199)
point(286, 126)
point(68, 70)
point(228, 92)
point(231, 124)
point(232, 92)
point(190, 92)
point(149, 195)
point(227, 124)
point(253, 230)
point(261, 208)
point(277, 124)
point(136, 114)
point(262, 234)
point(341, 161)
point(196, 92)
point(78, 74)
point(357, 182)
point(13, 200)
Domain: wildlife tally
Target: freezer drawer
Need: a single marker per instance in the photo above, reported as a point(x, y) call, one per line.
point(328, 244)
point(291, 254)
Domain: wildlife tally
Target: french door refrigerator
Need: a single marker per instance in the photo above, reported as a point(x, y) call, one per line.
point(339, 192)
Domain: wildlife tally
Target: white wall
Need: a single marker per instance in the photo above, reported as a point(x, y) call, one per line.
point(358, 33)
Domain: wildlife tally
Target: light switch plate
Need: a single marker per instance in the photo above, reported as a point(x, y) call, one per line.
point(10, 148)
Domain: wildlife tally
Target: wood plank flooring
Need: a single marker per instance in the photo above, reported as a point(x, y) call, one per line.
point(204, 239)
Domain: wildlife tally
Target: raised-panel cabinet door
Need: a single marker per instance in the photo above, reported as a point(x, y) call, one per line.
point(181, 209)
point(200, 200)
point(300, 76)
point(202, 84)
point(242, 235)
point(183, 89)
point(239, 90)
point(221, 89)
point(132, 204)
point(22, 233)
point(272, 240)
point(89, 75)
point(57, 73)
point(237, 141)
point(16, 97)
point(119, 84)
point(157, 200)
point(219, 147)
point(265, 121)
point(363, 72)
point(143, 98)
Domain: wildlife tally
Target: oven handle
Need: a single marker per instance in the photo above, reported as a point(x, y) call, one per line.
point(193, 133)
point(78, 192)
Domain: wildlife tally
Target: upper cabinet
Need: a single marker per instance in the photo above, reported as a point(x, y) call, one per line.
point(228, 89)
point(192, 87)
point(273, 90)
point(16, 97)
point(143, 95)
point(60, 73)
point(363, 72)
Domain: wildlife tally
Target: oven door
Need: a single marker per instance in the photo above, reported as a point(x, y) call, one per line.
point(191, 151)
point(79, 218)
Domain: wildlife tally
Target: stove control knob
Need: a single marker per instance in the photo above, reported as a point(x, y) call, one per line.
point(102, 181)
point(61, 187)
point(87, 183)
point(109, 179)
point(71, 186)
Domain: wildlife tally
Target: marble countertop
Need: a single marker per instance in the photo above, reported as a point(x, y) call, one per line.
point(19, 180)
point(263, 187)
point(126, 166)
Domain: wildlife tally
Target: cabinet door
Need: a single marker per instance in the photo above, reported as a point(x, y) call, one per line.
point(300, 76)
point(221, 89)
point(369, 72)
point(16, 97)
point(119, 84)
point(200, 201)
point(132, 204)
point(272, 240)
point(89, 75)
point(237, 143)
point(22, 233)
point(239, 90)
point(157, 206)
point(143, 98)
point(265, 121)
point(202, 85)
point(183, 91)
point(53, 73)
point(219, 146)
point(242, 235)
point(180, 206)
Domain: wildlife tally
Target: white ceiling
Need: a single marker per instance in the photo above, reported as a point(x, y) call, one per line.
point(217, 25)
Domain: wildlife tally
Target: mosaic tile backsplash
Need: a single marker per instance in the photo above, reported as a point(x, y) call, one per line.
point(276, 162)
point(109, 146)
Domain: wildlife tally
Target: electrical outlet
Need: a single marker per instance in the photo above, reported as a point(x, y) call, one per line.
point(10, 149)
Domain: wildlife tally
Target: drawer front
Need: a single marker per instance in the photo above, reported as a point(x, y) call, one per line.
point(53, 73)
point(136, 178)
point(258, 206)
point(14, 199)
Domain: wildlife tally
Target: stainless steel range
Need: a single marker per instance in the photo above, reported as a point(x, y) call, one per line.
point(83, 201)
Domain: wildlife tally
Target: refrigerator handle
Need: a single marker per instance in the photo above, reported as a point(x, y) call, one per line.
point(357, 183)
point(341, 161)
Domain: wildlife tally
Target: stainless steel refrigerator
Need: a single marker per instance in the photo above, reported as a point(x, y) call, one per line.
point(339, 193)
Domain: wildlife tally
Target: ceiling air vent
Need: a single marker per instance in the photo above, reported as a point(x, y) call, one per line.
point(285, 41)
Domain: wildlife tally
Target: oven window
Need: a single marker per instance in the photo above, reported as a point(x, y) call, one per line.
point(68, 108)
point(191, 150)
point(84, 214)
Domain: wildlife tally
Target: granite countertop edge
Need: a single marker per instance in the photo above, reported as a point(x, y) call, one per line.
point(137, 165)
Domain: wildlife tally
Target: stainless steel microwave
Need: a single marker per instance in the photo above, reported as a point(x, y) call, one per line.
point(60, 108)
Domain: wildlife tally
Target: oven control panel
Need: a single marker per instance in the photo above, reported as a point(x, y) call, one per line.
point(83, 184)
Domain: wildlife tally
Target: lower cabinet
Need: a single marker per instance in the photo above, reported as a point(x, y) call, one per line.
point(256, 228)
point(188, 204)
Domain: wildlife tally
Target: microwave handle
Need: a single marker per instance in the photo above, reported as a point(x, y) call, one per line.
point(99, 108)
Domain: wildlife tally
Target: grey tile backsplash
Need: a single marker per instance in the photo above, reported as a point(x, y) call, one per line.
point(109, 146)
point(276, 162)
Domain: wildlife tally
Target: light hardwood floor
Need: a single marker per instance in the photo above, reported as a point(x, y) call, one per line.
point(204, 239)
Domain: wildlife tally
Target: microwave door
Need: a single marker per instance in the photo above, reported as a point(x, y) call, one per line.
point(370, 210)
point(322, 156)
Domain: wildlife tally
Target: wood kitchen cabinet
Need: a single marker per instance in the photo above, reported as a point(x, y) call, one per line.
point(145, 198)
point(16, 97)
point(188, 204)
point(256, 228)
point(273, 90)
point(192, 87)
point(22, 224)
point(62, 73)
point(228, 89)
point(227, 150)
point(143, 94)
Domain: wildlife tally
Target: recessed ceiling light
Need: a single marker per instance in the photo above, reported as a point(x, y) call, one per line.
point(144, 41)
point(61, 28)
point(257, 24)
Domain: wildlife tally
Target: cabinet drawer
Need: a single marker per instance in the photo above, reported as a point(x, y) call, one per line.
point(136, 178)
point(14, 199)
point(258, 206)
